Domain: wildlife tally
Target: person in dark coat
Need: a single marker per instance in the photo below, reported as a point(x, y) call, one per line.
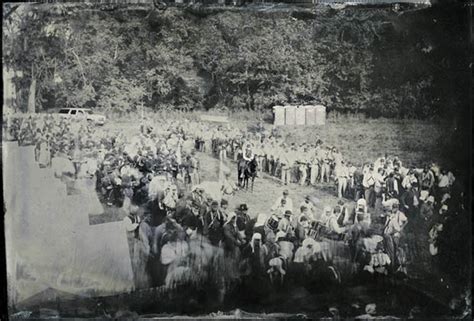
point(183, 207)
point(410, 201)
point(192, 220)
point(213, 221)
point(243, 221)
point(393, 187)
point(232, 239)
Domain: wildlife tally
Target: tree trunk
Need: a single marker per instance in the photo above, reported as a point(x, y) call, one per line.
point(32, 96)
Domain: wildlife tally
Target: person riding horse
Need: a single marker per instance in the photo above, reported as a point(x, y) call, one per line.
point(243, 161)
point(243, 167)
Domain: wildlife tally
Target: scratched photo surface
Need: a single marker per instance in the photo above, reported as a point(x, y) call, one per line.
point(237, 159)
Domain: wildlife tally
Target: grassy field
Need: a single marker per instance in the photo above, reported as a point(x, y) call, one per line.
point(359, 139)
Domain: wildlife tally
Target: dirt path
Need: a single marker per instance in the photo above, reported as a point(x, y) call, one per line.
point(267, 189)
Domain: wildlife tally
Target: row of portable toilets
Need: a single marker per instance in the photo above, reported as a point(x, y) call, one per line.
point(312, 115)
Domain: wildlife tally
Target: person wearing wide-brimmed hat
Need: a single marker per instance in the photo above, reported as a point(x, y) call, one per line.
point(394, 226)
point(285, 224)
point(244, 222)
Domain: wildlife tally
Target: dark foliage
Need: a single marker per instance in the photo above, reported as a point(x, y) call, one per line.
point(371, 60)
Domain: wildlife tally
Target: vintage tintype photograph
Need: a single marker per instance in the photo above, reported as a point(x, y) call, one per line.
point(294, 159)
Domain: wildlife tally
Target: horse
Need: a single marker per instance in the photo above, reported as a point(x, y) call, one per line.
point(247, 171)
point(250, 173)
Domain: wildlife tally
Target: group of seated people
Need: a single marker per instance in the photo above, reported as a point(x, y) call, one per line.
point(154, 176)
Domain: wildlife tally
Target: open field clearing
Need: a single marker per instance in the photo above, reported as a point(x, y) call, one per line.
point(360, 140)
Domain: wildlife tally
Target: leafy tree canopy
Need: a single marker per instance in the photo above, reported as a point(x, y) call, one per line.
point(354, 60)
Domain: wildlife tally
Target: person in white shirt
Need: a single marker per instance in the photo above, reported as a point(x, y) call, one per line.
point(293, 156)
point(396, 222)
point(303, 165)
point(362, 215)
point(394, 225)
point(368, 182)
point(324, 218)
point(379, 184)
point(132, 221)
point(228, 186)
point(379, 163)
point(288, 201)
point(314, 165)
point(260, 156)
point(351, 169)
point(443, 180)
point(333, 225)
point(336, 156)
point(409, 179)
point(286, 224)
point(451, 178)
point(379, 261)
point(342, 174)
point(248, 153)
point(325, 164)
point(286, 164)
point(308, 204)
point(222, 152)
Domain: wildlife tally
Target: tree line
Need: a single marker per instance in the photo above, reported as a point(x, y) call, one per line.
point(371, 61)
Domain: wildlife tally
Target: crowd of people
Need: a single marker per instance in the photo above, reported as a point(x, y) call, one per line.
point(400, 200)
point(154, 177)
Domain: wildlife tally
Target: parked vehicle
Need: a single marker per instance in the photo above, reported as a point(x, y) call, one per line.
point(83, 113)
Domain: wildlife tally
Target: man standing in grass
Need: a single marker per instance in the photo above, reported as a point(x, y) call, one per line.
point(285, 166)
point(394, 226)
point(369, 182)
point(303, 165)
point(341, 173)
point(314, 166)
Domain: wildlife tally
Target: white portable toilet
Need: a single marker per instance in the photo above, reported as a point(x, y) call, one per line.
point(290, 115)
point(279, 115)
point(300, 115)
point(310, 115)
point(320, 112)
